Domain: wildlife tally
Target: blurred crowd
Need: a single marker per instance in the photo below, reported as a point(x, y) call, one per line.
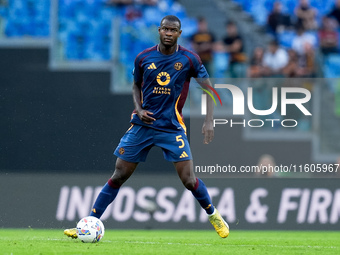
point(297, 60)
point(83, 36)
point(127, 2)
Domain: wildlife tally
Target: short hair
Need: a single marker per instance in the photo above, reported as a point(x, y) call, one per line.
point(172, 18)
point(201, 19)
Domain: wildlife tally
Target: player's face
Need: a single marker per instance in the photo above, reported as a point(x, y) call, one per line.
point(169, 32)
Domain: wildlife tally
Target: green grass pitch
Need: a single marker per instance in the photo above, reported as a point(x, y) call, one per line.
point(42, 241)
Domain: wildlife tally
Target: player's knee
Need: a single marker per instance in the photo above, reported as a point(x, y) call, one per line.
point(122, 172)
point(119, 177)
point(190, 183)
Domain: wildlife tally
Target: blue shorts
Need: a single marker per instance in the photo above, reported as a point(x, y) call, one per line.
point(138, 140)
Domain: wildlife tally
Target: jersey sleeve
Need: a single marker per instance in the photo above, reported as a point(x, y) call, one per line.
point(199, 69)
point(137, 71)
point(202, 72)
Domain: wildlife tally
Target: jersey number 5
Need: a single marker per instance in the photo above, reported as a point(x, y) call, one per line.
point(180, 139)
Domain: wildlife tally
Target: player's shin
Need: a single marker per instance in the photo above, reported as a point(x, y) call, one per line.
point(104, 199)
point(200, 192)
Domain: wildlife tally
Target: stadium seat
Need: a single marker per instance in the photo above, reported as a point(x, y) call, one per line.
point(85, 26)
point(189, 26)
point(332, 70)
point(221, 64)
point(332, 65)
point(26, 18)
point(286, 38)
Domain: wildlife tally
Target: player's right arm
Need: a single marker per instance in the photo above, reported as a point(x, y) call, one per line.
point(137, 100)
point(137, 92)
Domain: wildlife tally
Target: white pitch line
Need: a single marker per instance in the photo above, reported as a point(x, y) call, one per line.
point(207, 244)
point(243, 245)
point(285, 246)
point(200, 244)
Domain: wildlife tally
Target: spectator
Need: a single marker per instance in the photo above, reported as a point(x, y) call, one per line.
point(300, 66)
point(277, 21)
point(266, 166)
point(120, 2)
point(130, 2)
point(274, 60)
point(306, 15)
point(307, 62)
point(328, 37)
point(203, 43)
point(233, 45)
point(290, 70)
point(335, 13)
point(301, 39)
point(256, 69)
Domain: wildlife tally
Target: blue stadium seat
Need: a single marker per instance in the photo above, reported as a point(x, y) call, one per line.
point(290, 5)
point(26, 18)
point(221, 63)
point(331, 70)
point(152, 15)
point(189, 26)
point(268, 4)
point(85, 26)
point(332, 66)
point(255, 9)
point(286, 38)
point(178, 10)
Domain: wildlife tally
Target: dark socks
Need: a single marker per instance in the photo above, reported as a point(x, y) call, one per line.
point(201, 194)
point(105, 197)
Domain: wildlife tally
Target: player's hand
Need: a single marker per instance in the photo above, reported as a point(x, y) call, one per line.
point(144, 116)
point(208, 131)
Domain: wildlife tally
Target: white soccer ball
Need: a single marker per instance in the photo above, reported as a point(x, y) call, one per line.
point(90, 229)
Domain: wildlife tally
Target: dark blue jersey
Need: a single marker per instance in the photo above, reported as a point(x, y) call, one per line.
point(164, 81)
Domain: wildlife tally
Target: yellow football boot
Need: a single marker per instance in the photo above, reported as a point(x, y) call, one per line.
point(221, 227)
point(71, 232)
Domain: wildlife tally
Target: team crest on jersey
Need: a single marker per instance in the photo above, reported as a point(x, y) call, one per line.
point(121, 151)
point(163, 78)
point(178, 66)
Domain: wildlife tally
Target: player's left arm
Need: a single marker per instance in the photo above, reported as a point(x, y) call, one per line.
point(202, 77)
point(208, 125)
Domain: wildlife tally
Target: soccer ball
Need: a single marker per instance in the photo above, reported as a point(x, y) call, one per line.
point(90, 229)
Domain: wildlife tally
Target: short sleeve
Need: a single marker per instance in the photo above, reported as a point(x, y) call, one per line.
point(199, 69)
point(202, 72)
point(137, 71)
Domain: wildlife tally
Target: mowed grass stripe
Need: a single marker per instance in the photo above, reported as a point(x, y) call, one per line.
point(48, 241)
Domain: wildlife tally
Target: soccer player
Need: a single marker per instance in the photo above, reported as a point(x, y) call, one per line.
point(161, 82)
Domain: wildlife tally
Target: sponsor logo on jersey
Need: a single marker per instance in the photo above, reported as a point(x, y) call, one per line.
point(162, 90)
point(163, 78)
